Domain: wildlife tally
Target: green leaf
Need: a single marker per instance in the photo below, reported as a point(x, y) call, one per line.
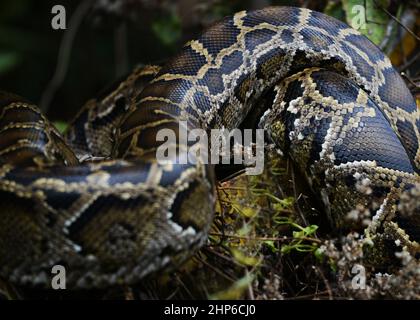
point(168, 30)
point(305, 232)
point(248, 212)
point(7, 61)
point(319, 254)
point(285, 249)
point(243, 259)
point(334, 9)
point(61, 126)
point(333, 265)
point(282, 204)
point(305, 247)
point(270, 244)
point(282, 220)
point(310, 230)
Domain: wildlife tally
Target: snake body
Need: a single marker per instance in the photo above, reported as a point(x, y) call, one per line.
point(97, 202)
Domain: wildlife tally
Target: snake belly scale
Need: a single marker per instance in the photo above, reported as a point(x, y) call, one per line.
point(98, 202)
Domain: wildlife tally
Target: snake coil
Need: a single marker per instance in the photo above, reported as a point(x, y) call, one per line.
point(97, 201)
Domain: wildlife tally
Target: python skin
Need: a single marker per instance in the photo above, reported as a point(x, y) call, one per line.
point(97, 201)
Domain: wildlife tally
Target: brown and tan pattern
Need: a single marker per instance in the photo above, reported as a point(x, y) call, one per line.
point(102, 206)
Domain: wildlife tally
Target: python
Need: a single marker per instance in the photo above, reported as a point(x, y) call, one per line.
point(333, 104)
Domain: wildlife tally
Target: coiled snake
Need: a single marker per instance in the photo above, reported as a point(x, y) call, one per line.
point(97, 201)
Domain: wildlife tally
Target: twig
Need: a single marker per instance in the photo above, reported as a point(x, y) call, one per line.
point(172, 295)
point(223, 257)
point(417, 86)
point(397, 20)
point(179, 280)
point(297, 206)
point(9, 291)
point(64, 54)
point(327, 285)
point(227, 277)
point(233, 175)
point(264, 238)
point(312, 295)
point(410, 62)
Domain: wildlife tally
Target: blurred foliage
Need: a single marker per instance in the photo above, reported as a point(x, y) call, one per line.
point(8, 60)
point(168, 31)
point(60, 125)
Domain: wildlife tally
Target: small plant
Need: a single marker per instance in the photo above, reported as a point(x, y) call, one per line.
point(303, 239)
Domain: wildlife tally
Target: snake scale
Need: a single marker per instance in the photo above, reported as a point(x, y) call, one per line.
point(96, 200)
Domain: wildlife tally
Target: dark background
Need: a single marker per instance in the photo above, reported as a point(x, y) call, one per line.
point(113, 36)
